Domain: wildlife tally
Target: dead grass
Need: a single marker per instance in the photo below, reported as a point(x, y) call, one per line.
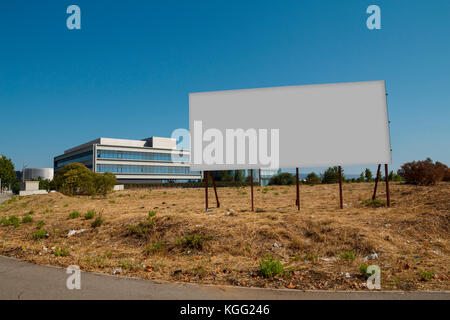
point(226, 245)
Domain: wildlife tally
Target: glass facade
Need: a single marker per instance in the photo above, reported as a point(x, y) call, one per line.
point(134, 155)
point(76, 158)
point(122, 168)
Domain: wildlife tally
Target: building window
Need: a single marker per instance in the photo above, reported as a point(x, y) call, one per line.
point(76, 158)
point(137, 169)
point(134, 155)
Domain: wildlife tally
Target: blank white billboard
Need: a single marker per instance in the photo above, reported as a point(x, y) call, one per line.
point(313, 125)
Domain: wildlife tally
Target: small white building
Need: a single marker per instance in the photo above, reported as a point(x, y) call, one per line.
point(29, 188)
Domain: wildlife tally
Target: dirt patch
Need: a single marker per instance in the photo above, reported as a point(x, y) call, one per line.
point(166, 234)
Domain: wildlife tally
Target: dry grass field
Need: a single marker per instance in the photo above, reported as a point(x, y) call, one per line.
point(320, 247)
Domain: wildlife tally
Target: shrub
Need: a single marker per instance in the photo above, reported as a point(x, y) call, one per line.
point(313, 178)
point(27, 219)
point(104, 183)
point(89, 215)
point(374, 203)
point(5, 222)
point(423, 172)
point(331, 175)
point(44, 184)
point(193, 241)
point(284, 178)
point(40, 234)
point(40, 224)
point(152, 248)
point(394, 177)
point(74, 215)
point(140, 230)
point(363, 271)
point(270, 267)
point(13, 220)
point(76, 179)
point(15, 187)
point(347, 255)
point(447, 175)
point(426, 275)
point(97, 222)
point(61, 252)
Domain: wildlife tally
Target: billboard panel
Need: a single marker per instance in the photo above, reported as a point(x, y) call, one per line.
point(287, 127)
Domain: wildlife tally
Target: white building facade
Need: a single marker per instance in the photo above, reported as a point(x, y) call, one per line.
point(151, 160)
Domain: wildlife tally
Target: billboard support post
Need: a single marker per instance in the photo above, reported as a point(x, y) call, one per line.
point(297, 202)
point(215, 190)
point(251, 187)
point(341, 204)
point(388, 196)
point(205, 176)
point(376, 182)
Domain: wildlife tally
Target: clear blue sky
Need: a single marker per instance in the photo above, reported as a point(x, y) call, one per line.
point(128, 71)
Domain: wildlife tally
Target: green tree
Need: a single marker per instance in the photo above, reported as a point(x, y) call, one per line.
point(368, 175)
point(74, 179)
point(331, 175)
point(361, 177)
point(104, 183)
point(284, 178)
point(7, 172)
point(313, 178)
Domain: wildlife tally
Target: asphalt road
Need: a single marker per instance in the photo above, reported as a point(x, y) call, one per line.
point(21, 280)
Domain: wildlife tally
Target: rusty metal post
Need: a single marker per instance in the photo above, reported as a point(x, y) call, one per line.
point(341, 203)
point(251, 187)
point(215, 190)
point(205, 176)
point(388, 196)
point(376, 182)
point(297, 202)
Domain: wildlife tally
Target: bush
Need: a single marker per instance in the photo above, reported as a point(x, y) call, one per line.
point(97, 222)
point(141, 229)
point(27, 218)
point(281, 179)
point(363, 271)
point(12, 220)
point(44, 184)
point(331, 175)
point(15, 187)
point(155, 247)
point(74, 215)
point(423, 172)
point(426, 275)
point(40, 234)
point(347, 255)
point(61, 252)
point(193, 241)
point(270, 267)
point(76, 179)
point(89, 215)
point(313, 178)
point(374, 203)
point(104, 183)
